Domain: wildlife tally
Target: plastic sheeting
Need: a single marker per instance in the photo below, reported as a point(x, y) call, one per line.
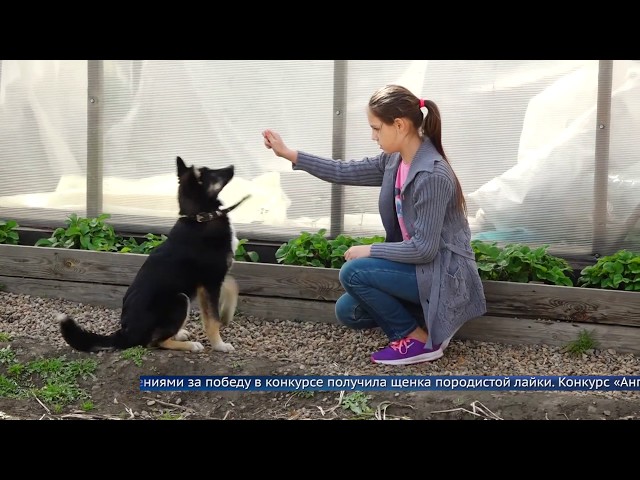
point(548, 196)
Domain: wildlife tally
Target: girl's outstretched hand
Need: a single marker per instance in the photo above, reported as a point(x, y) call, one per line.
point(273, 141)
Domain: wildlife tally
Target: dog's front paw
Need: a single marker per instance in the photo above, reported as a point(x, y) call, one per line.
point(223, 347)
point(196, 347)
point(182, 335)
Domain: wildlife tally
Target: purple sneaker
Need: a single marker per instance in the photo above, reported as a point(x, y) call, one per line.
point(405, 352)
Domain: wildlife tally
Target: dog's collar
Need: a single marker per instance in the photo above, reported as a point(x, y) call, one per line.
point(204, 216)
point(208, 216)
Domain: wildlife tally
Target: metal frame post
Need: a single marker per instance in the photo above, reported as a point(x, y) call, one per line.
point(601, 167)
point(95, 134)
point(338, 142)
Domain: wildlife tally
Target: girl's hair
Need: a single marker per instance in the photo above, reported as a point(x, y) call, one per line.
point(394, 101)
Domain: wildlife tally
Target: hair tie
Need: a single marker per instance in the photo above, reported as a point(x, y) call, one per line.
point(421, 103)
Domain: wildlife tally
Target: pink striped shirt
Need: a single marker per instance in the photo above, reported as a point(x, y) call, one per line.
point(401, 177)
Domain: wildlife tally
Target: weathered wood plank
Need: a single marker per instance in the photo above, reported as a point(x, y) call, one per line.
point(553, 302)
point(109, 296)
point(487, 328)
point(288, 281)
point(311, 283)
point(503, 298)
point(69, 265)
point(120, 269)
point(272, 308)
point(518, 331)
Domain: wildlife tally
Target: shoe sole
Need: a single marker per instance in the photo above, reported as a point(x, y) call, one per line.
point(425, 357)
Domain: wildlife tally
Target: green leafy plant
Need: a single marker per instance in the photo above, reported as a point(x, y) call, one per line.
point(620, 271)
point(149, 245)
point(52, 380)
point(316, 250)
point(520, 263)
point(59, 393)
point(7, 355)
point(8, 232)
point(62, 369)
point(87, 406)
point(95, 234)
point(16, 369)
point(244, 255)
point(135, 354)
point(9, 388)
point(357, 402)
point(168, 415)
point(584, 342)
point(304, 393)
point(5, 337)
point(84, 233)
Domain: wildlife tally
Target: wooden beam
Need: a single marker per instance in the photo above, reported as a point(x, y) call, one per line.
point(488, 328)
point(518, 331)
point(590, 305)
point(289, 282)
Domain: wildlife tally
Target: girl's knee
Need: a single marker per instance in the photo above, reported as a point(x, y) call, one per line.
point(350, 313)
point(345, 309)
point(348, 271)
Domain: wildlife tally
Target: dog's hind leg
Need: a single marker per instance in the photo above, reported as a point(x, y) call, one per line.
point(172, 344)
point(210, 315)
point(178, 341)
point(183, 334)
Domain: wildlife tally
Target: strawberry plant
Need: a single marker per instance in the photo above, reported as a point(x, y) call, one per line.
point(244, 255)
point(520, 263)
point(316, 250)
point(620, 271)
point(8, 233)
point(150, 244)
point(94, 234)
point(84, 233)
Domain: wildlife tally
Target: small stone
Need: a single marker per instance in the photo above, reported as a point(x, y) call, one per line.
point(151, 402)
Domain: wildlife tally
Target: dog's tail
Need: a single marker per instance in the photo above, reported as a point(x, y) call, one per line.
point(86, 341)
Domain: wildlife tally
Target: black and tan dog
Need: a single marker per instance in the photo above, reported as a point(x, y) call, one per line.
point(193, 261)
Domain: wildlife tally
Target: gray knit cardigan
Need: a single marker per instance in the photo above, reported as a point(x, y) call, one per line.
point(450, 287)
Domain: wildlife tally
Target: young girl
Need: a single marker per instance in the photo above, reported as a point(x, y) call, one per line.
point(422, 283)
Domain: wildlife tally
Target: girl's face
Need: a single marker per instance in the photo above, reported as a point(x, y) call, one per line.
point(386, 136)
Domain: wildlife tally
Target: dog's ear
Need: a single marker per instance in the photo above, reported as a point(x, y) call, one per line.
point(182, 168)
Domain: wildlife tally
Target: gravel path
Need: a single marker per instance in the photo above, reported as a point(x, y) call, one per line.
point(327, 349)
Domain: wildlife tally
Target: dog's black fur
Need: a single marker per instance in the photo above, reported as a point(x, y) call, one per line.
point(192, 262)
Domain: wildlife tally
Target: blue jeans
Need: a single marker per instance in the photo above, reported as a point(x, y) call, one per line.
point(380, 293)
